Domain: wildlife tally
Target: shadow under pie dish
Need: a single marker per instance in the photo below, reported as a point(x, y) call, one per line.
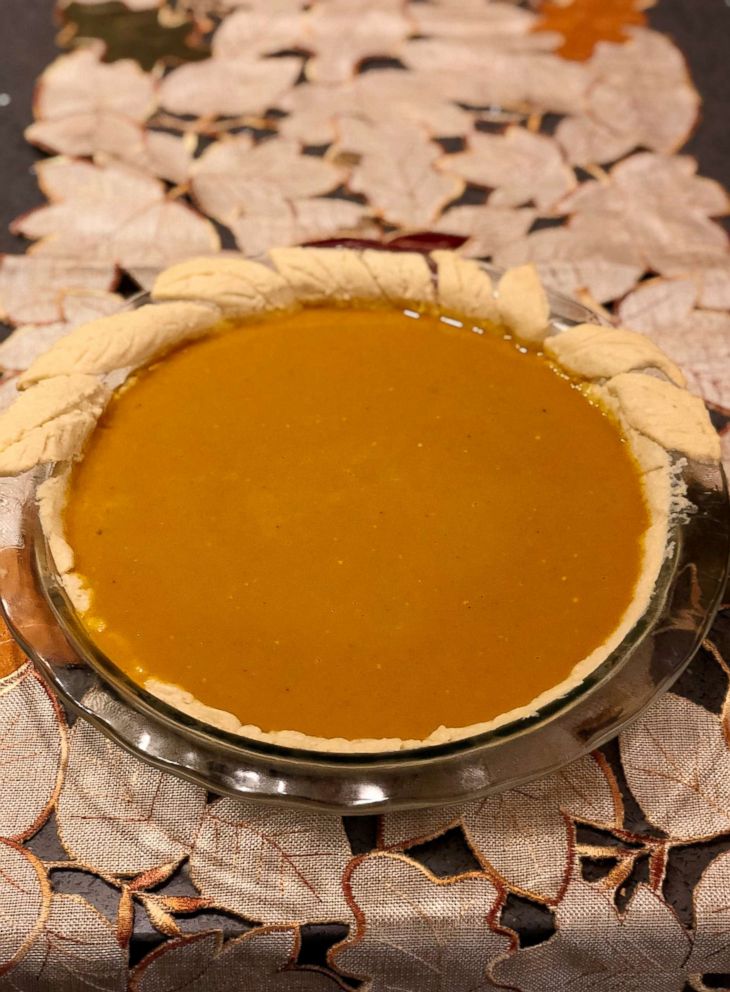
point(365, 507)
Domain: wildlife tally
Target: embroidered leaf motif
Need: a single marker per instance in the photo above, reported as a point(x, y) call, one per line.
point(698, 340)
point(119, 815)
point(677, 765)
point(395, 171)
point(711, 944)
point(416, 931)
point(112, 213)
point(32, 752)
point(292, 222)
point(228, 87)
point(518, 165)
point(76, 949)
point(596, 949)
point(571, 263)
point(584, 23)
point(236, 177)
point(487, 229)
point(653, 211)
point(260, 961)
point(25, 897)
point(31, 288)
point(269, 863)
point(640, 95)
point(523, 836)
point(80, 83)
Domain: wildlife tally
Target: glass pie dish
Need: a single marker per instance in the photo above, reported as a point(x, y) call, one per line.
point(650, 657)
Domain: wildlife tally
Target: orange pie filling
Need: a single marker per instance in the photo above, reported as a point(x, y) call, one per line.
point(356, 523)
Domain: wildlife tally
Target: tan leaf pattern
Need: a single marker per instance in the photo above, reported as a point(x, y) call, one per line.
point(523, 836)
point(596, 949)
point(260, 961)
point(118, 815)
point(677, 764)
point(415, 931)
point(25, 897)
point(76, 951)
point(32, 752)
point(268, 863)
point(711, 943)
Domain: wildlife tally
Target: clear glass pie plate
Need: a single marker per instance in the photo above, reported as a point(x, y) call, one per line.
point(650, 658)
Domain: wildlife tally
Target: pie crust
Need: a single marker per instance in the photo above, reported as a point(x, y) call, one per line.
point(65, 390)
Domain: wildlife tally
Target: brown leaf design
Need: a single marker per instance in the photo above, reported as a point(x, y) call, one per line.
point(121, 816)
point(112, 213)
point(31, 289)
point(260, 961)
point(125, 917)
point(416, 931)
point(519, 166)
point(677, 764)
point(269, 863)
point(585, 23)
point(523, 836)
point(228, 87)
point(76, 951)
point(596, 949)
point(235, 177)
point(25, 897)
point(159, 918)
point(32, 752)
point(395, 171)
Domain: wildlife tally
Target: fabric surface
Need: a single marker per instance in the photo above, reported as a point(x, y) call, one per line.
point(513, 133)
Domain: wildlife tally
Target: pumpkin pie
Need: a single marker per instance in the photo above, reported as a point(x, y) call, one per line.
point(355, 500)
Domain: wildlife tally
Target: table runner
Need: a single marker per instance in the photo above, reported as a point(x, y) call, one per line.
point(546, 134)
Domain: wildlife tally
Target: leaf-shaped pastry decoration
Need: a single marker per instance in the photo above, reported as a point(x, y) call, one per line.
point(76, 950)
point(655, 210)
point(640, 95)
point(112, 213)
point(486, 228)
point(262, 960)
point(677, 764)
point(228, 87)
point(268, 863)
point(711, 944)
point(571, 263)
point(518, 165)
point(597, 949)
point(585, 23)
point(25, 896)
point(235, 177)
point(31, 289)
point(32, 752)
point(395, 171)
point(119, 815)
point(524, 836)
point(417, 931)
